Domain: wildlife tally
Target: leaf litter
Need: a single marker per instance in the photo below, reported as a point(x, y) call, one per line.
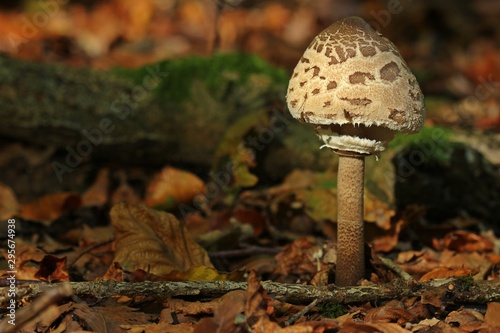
point(115, 229)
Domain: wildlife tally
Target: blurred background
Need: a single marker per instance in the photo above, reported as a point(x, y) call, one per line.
point(452, 46)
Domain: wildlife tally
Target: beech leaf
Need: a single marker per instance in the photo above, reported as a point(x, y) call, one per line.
point(153, 241)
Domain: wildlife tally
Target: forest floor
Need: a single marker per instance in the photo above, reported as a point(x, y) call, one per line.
point(131, 248)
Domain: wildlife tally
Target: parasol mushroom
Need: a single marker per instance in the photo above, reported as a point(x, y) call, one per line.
point(354, 87)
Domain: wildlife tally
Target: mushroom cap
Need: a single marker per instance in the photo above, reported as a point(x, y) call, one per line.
point(353, 84)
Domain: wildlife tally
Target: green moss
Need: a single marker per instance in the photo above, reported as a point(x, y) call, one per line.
point(433, 141)
point(220, 74)
point(465, 282)
point(332, 310)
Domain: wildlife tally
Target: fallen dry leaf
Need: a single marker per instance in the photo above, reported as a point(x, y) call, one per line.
point(445, 272)
point(297, 258)
point(52, 269)
point(8, 202)
point(225, 310)
point(384, 240)
point(351, 326)
point(491, 317)
point(172, 186)
point(463, 241)
point(392, 312)
point(377, 211)
point(259, 311)
point(472, 260)
point(50, 207)
point(466, 320)
point(33, 264)
point(153, 241)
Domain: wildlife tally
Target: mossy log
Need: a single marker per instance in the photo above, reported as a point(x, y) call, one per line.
point(172, 111)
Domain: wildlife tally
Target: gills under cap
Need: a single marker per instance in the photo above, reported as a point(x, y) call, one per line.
point(353, 84)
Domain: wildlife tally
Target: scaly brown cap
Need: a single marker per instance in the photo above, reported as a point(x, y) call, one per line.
point(354, 85)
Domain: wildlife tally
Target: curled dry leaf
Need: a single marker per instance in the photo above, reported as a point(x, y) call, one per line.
point(153, 241)
point(227, 308)
point(8, 202)
point(393, 312)
point(297, 258)
point(50, 207)
point(33, 264)
point(52, 269)
point(172, 186)
point(377, 211)
point(491, 317)
point(444, 272)
point(259, 311)
point(354, 327)
point(466, 320)
point(463, 241)
point(384, 240)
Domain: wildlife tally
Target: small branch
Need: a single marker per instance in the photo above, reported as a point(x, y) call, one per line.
point(301, 313)
point(52, 295)
point(460, 289)
point(407, 278)
point(88, 249)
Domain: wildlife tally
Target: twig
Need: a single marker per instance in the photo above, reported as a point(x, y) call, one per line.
point(88, 249)
point(407, 278)
point(301, 313)
point(51, 296)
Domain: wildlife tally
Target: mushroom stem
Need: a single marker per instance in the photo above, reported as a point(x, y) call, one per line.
point(350, 233)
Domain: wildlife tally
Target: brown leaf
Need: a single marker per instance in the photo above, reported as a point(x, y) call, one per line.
point(258, 307)
point(107, 318)
point(153, 241)
point(377, 211)
point(52, 269)
point(384, 240)
point(354, 327)
point(115, 273)
point(392, 312)
point(253, 217)
point(26, 254)
point(445, 272)
point(472, 260)
point(8, 202)
point(97, 194)
point(172, 186)
point(228, 307)
point(50, 207)
point(463, 241)
point(491, 317)
point(466, 320)
point(33, 264)
point(297, 258)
